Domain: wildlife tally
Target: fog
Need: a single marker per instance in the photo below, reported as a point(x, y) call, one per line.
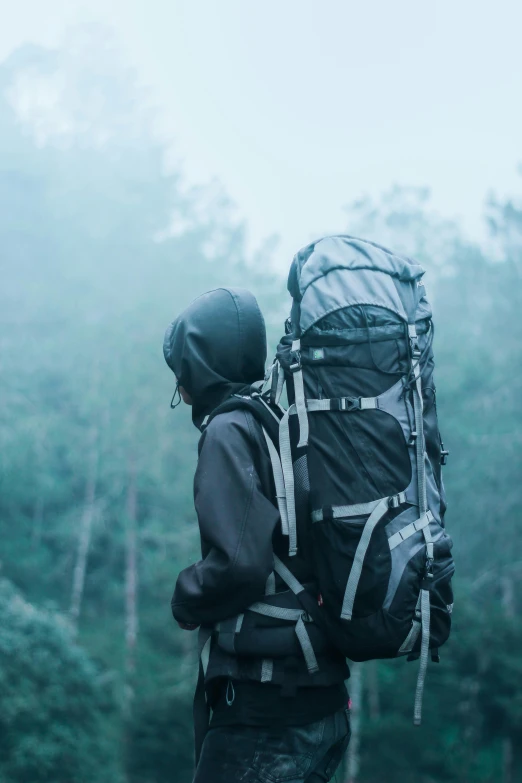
point(299, 109)
point(149, 152)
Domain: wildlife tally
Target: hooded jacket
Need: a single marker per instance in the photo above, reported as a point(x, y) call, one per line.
point(216, 348)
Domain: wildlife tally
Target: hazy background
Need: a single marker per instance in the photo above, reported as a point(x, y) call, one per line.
point(300, 107)
point(151, 151)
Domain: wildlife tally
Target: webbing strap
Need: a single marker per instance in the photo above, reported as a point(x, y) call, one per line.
point(360, 553)
point(288, 475)
point(355, 510)
point(368, 403)
point(300, 401)
point(280, 384)
point(287, 576)
point(419, 444)
point(283, 613)
point(267, 666)
point(425, 651)
point(293, 615)
point(270, 380)
point(269, 409)
point(419, 424)
point(420, 459)
point(279, 482)
point(306, 646)
point(277, 612)
point(410, 530)
point(341, 404)
point(267, 670)
point(270, 584)
point(410, 641)
point(318, 405)
point(426, 622)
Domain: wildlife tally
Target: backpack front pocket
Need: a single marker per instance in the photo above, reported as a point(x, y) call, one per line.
point(336, 542)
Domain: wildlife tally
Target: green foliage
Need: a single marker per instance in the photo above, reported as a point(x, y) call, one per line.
point(471, 706)
point(160, 743)
point(55, 710)
point(101, 248)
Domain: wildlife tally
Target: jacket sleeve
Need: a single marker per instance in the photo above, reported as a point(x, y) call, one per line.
point(236, 522)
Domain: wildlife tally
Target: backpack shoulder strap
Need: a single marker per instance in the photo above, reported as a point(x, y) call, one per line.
point(265, 413)
point(268, 416)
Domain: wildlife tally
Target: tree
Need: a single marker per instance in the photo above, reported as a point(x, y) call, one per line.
point(102, 245)
point(55, 709)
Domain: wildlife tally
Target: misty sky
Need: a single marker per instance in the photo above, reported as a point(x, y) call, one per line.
point(300, 107)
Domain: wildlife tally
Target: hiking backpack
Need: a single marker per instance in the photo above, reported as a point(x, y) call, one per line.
point(360, 452)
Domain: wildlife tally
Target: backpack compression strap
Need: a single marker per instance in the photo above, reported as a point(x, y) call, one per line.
point(300, 401)
point(302, 634)
point(267, 666)
point(229, 629)
point(424, 598)
point(346, 404)
point(279, 482)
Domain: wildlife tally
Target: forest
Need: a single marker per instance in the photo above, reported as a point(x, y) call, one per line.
point(101, 245)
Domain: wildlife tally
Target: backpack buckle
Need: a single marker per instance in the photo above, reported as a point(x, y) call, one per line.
point(349, 403)
point(444, 456)
point(428, 573)
point(295, 358)
point(394, 501)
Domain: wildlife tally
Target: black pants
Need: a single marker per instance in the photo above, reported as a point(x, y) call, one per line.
point(297, 754)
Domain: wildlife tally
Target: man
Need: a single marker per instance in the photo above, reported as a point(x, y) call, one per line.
point(272, 720)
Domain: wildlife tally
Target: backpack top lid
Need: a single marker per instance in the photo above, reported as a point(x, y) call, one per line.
point(341, 271)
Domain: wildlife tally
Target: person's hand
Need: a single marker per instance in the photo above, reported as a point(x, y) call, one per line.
point(188, 626)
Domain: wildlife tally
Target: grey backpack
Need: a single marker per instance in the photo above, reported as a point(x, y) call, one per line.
point(359, 478)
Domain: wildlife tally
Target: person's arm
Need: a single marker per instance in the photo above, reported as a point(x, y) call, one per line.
point(236, 522)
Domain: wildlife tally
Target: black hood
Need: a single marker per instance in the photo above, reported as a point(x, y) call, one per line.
point(217, 347)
